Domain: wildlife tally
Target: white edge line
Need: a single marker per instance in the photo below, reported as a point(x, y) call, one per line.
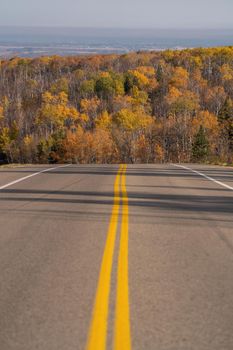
point(207, 177)
point(34, 174)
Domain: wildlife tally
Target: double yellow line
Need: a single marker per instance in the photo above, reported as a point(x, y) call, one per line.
point(99, 323)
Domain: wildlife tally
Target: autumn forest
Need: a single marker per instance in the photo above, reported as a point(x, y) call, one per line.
point(145, 107)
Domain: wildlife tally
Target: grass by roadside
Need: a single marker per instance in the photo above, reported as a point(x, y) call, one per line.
point(221, 164)
point(14, 165)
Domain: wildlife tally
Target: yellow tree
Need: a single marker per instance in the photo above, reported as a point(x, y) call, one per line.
point(132, 120)
point(104, 121)
point(128, 125)
point(55, 112)
point(180, 78)
point(90, 109)
point(226, 72)
point(1, 114)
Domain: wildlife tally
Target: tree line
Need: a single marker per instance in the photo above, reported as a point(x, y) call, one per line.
point(142, 107)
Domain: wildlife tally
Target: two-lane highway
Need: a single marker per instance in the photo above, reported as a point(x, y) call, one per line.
point(100, 257)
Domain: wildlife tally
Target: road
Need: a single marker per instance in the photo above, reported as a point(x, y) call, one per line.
point(114, 257)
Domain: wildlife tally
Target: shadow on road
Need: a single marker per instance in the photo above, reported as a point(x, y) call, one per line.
point(152, 171)
point(174, 202)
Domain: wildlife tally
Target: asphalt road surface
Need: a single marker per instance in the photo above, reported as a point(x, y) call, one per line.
point(115, 257)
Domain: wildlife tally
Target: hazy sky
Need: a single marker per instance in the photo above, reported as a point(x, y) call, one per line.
point(118, 13)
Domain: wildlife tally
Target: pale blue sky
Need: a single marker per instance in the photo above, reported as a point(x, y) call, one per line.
point(118, 13)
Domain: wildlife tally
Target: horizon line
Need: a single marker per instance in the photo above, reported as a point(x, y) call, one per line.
point(109, 27)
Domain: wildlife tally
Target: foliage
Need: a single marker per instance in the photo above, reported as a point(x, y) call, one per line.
point(137, 107)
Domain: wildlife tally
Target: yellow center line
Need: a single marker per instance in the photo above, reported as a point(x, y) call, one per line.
point(122, 339)
point(98, 329)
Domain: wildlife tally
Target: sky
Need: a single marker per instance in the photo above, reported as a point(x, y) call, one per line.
point(118, 13)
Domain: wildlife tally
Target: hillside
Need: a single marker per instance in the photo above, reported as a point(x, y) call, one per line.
point(135, 108)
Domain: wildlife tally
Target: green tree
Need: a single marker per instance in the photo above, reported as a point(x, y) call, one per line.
point(200, 149)
point(225, 118)
point(87, 88)
point(104, 87)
